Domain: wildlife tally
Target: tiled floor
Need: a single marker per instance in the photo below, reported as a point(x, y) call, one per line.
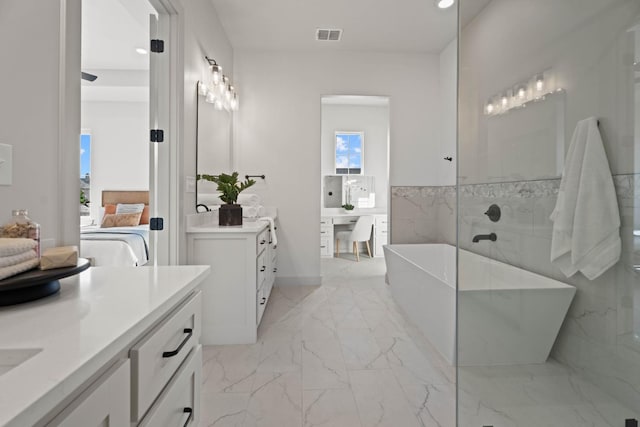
point(342, 355)
point(339, 355)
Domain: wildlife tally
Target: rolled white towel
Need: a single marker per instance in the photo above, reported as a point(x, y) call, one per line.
point(248, 199)
point(9, 246)
point(253, 211)
point(7, 261)
point(18, 268)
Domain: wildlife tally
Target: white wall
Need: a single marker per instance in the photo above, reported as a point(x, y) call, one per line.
point(119, 147)
point(373, 121)
point(277, 132)
point(203, 35)
point(448, 113)
point(41, 122)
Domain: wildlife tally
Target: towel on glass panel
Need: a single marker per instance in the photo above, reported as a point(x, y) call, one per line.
point(586, 219)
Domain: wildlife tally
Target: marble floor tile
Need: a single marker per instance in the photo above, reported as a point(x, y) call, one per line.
point(229, 369)
point(276, 400)
point(323, 365)
point(381, 402)
point(223, 409)
point(360, 350)
point(330, 408)
point(434, 405)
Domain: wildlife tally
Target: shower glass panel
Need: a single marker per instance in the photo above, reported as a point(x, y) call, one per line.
point(548, 122)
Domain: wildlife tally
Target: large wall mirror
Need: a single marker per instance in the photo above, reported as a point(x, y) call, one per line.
point(213, 148)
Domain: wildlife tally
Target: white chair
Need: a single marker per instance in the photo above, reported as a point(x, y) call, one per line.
point(361, 233)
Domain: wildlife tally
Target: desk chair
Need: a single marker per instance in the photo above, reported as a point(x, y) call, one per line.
point(361, 233)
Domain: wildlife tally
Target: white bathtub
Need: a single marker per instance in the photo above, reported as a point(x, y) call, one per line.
point(506, 315)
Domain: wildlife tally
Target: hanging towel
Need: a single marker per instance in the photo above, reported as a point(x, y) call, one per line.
point(14, 246)
point(7, 261)
point(586, 220)
point(272, 227)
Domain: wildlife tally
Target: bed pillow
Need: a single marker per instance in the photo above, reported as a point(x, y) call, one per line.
point(122, 208)
point(121, 220)
point(109, 209)
point(144, 218)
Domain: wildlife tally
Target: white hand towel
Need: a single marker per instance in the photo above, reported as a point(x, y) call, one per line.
point(586, 219)
point(9, 246)
point(18, 268)
point(248, 199)
point(253, 211)
point(7, 261)
point(272, 226)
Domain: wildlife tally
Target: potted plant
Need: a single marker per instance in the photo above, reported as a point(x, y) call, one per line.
point(348, 207)
point(230, 213)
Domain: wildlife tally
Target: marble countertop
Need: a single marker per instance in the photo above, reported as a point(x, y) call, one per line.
point(74, 333)
point(207, 222)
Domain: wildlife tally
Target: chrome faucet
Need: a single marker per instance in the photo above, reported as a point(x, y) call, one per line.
point(493, 237)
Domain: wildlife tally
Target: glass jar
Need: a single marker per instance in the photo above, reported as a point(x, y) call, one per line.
point(21, 225)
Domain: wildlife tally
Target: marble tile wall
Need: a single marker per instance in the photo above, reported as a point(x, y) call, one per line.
point(597, 338)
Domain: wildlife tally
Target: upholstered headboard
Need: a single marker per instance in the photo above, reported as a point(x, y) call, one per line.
point(113, 197)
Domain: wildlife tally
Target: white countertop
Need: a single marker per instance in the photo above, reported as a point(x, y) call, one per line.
point(207, 222)
point(95, 316)
point(356, 212)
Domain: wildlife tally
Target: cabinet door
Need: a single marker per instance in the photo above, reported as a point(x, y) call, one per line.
point(104, 403)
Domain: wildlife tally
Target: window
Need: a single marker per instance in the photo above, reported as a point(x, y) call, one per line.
point(85, 173)
point(349, 153)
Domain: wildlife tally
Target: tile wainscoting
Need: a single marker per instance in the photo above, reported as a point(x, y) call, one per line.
point(597, 339)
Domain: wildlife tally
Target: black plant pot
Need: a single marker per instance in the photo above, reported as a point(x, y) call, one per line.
point(230, 215)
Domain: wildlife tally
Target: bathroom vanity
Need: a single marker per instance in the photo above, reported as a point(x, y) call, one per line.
point(243, 261)
point(333, 220)
point(116, 345)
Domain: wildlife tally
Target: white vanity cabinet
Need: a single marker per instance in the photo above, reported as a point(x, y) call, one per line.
point(326, 237)
point(243, 263)
point(380, 234)
point(347, 220)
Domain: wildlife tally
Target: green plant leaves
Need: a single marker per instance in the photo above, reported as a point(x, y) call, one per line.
point(228, 185)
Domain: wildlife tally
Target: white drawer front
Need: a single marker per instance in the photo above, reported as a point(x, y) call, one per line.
point(381, 221)
point(326, 231)
point(262, 241)
point(325, 247)
point(106, 399)
point(345, 220)
point(261, 268)
point(180, 401)
point(326, 220)
point(261, 303)
point(159, 354)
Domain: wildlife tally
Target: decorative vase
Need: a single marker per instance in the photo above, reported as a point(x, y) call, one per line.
point(230, 215)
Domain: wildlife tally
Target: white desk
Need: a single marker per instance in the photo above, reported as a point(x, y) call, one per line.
point(333, 220)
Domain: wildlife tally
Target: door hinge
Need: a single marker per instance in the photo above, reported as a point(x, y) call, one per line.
point(157, 45)
point(157, 135)
point(156, 224)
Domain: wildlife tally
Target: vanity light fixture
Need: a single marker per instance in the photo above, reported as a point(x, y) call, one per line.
point(535, 89)
point(218, 90)
point(444, 4)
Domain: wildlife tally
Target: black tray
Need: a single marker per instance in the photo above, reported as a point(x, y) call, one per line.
point(35, 284)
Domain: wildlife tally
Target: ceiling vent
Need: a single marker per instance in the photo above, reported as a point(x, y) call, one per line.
point(328, 34)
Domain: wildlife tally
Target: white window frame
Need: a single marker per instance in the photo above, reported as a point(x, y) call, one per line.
point(335, 150)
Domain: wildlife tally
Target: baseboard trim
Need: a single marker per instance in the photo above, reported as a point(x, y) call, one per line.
point(298, 281)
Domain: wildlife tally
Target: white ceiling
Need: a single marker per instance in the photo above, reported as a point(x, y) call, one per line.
point(380, 25)
point(369, 101)
point(111, 32)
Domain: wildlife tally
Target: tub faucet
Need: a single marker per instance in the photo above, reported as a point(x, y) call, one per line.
point(493, 237)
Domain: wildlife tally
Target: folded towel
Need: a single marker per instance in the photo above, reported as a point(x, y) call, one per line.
point(253, 211)
point(272, 228)
point(18, 268)
point(248, 199)
point(7, 261)
point(586, 219)
point(9, 246)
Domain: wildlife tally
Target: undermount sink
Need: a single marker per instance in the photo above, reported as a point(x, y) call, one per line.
point(10, 358)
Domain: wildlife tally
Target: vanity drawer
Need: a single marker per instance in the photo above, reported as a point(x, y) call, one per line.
point(262, 240)
point(158, 355)
point(261, 303)
point(326, 231)
point(381, 222)
point(326, 220)
point(261, 268)
point(180, 400)
point(325, 247)
point(345, 220)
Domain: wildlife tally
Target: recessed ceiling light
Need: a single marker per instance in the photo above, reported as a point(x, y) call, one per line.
point(141, 51)
point(443, 4)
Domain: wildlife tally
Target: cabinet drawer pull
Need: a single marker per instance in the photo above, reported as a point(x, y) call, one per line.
point(190, 412)
point(353, 220)
point(264, 267)
point(189, 333)
point(275, 269)
point(322, 246)
point(262, 242)
point(264, 300)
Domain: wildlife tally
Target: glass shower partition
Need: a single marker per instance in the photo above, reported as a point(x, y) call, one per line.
point(546, 88)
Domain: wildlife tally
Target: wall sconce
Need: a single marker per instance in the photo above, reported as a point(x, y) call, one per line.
point(535, 89)
point(218, 91)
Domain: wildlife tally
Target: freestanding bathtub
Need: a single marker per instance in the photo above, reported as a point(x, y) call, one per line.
point(507, 315)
